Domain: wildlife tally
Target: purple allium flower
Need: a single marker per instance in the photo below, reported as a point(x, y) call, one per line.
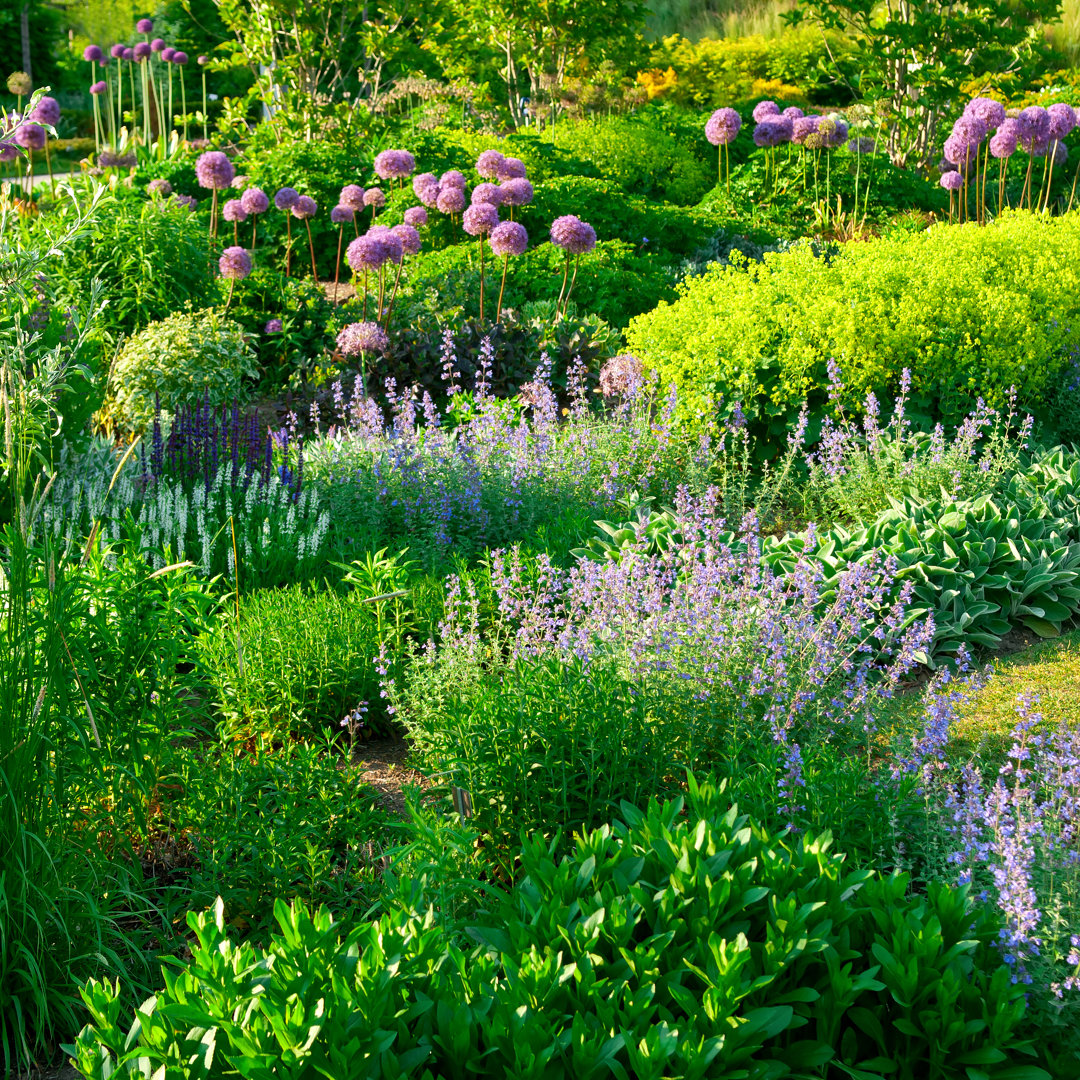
point(168, 53)
point(1062, 120)
point(969, 129)
point(340, 215)
point(286, 198)
point(233, 210)
point(214, 170)
point(117, 52)
point(159, 186)
point(352, 196)
point(409, 237)
point(367, 252)
point(98, 87)
point(185, 202)
point(765, 108)
point(374, 197)
point(273, 326)
point(255, 201)
point(8, 152)
point(305, 207)
point(487, 164)
point(425, 182)
point(1061, 153)
point(394, 164)
point(235, 262)
point(30, 136)
point(722, 127)
point(141, 50)
point(390, 241)
point(511, 168)
point(47, 111)
point(516, 192)
point(794, 112)
point(480, 219)
point(1033, 127)
point(509, 238)
point(144, 26)
point(952, 180)
point(129, 54)
point(989, 111)
point(622, 376)
point(859, 145)
point(960, 153)
point(157, 45)
point(415, 216)
point(203, 60)
point(487, 193)
point(179, 57)
point(93, 53)
point(833, 131)
point(451, 200)
point(573, 234)
point(1004, 142)
point(452, 178)
point(803, 127)
point(362, 337)
point(239, 182)
point(772, 131)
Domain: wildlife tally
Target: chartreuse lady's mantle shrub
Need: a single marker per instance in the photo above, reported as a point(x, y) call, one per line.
point(971, 311)
point(669, 944)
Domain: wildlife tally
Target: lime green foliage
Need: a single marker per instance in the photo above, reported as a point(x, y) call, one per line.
point(666, 944)
point(295, 663)
point(180, 360)
point(970, 311)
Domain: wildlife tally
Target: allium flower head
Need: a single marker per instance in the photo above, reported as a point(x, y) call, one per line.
point(116, 52)
point(202, 60)
point(180, 57)
point(157, 45)
point(511, 168)
point(426, 188)
point(374, 197)
point(794, 112)
point(214, 170)
point(159, 186)
point(366, 252)
point(451, 200)
point(480, 218)
point(622, 375)
point(765, 108)
point(452, 178)
point(239, 182)
point(233, 210)
point(509, 238)
point(516, 192)
point(970, 129)
point(93, 53)
point(30, 136)
point(129, 54)
point(1004, 142)
point(273, 326)
point(803, 127)
point(1062, 120)
point(722, 127)
point(861, 145)
point(19, 83)
point(185, 202)
point(573, 234)
point(362, 337)
point(771, 131)
point(98, 87)
point(352, 196)
point(833, 131)
point(141, 50)
point(286, 198)
point(8, 152)
point(235, 262)
point(960, 152)
point(989, 111)
point(144, 26)
point(1033, 126)
point(340, 215)
point(409, 237)
point(305, 207)
point(255, 201)
point(394, 164)
point(952, 180)
point(487, 193)
point(167, 54)
point(391, 242)
point(416, 216)
point(487, 164)
point(47, 111)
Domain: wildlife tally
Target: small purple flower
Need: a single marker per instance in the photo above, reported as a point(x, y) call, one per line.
point(30, 136)
point(453, 178)
point(93, 54)
point(159, 186)
point(1062, 120)
point(516, 192)
point(765, 108)
point(416, 216)
point(362, 337)
point(952, 180)
point(394, 164)
point(144, 26)
point(97, 88)
point(989, 111)
point(340, 215)
point(185, 202)
point(235, 262)
point(233, 210)
point(487, 164)
point(157, 45)
point(772, 131)
point(959, 152)
point(47, 111)
point(802, 127)
point(180, 57)
point(286, 198)
point(426, 188)
point(511, 168)
point(390, 241)
point(203, 60)
point(480, 219)
point(1005, 140)
point(622, 376)
point(141, 50)
point(1033, 127)
point(128, 54)
point(352, 196)
point(722, 127)
point(272, 327)
point(214, 170)
point(366, 252)
point(8, 152)
point(509, 238)
point(117, 52)
point(487, 193)
point(409, 237)
point(239, 182)
point(374, 197)
point(793, 112)
point(305, 207)
point(451, 200)
point(167, 54)
point(255, 201)
point(572, 234)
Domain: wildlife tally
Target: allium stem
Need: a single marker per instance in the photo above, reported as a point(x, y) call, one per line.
point(311, 248)
point(235, 236)
point(254, 226)
point(355, 225)
point(577, 263)
point(183, 101)
point(393, 294)
point(171, 114)
point(288, 242)
point(382, 291)
point(48, 166)
point(1072, 194)
point(1027, 181)
point(204, 135)
point(365, 293)
point(502, 287)
point(562, 291)
point(213, 212)
point(480, 240)
point(337, 265)
point(232, 286)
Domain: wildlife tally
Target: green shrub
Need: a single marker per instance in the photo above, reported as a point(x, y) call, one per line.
point(181, 360)
point(970, 311)
point(294, 662)
point(665, 945)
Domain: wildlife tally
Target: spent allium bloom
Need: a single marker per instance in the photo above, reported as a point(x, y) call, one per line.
point(765, 108)
point(185, 202)
point(180, 57)
point(794, 112)
point(1062, 120)
point(622, 376)
point(255, 201)
point(352, 196)
point(394, 164)
point(167, 54)
point(233, 210)
point(511, 168)
point(159, 186)
point(390, 241)
point(98, 87)
point(952, 180)
point(116, 52)
point(340, 215)
point(273, 326)
point(771, 131)
point(374, 197)
point(129, 54)
point(286, 198)
point(452, 178)
point(833, 131)
point(516, 192)
point(989, 111)
point(366, 252)
point(480, 219)
point(722, 127)
point(1004, 142)
point(305, 207)
point(93, 53)
point(30, 136)
point(415, 216)
point(487, 164)
point(214, 170)
point(235, 262)
point(860, 145)
point(487, 193)
point(362, 337)
point(19, 83)
point(157, 45)
point(573, 234)
point(144, 26)
point(1033, 127)
point(509, 238)
point(239, 182)
point(141, 50)
point(451, 200)
point(802, 127)
point(409, 237)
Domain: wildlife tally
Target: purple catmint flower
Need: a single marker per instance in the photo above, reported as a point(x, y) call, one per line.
point(93, 54)
point(117, 52)
point(340, 215)
point(144, 26)
point(511, 168)
point(180, 57)
point(362, 337)
point(374, 197)
point(97, 88)
point(487, 164)
point(304, 208)
point(352, 197)
point(416, 216)
point(235, 262)
point(802, 127)
point(409, 237)
point(1062, 120)
point(451, 200)
point(771, 131)
point(394, 164)
point(214, 170)
point(480, 218)
point(273, 326)
point(30, 136)
point(452, 178)
point(765, 108)
point(722, 127)
point(516, 192)
point(159, 186)
point(487, 193)
point(366, 252)
point(255, 201)
point(1004, 142)
point(233, 210)
point(141, 50)
point(573, 235)
point(989, 111)
point(168, 53)
point(952, 180)
point(509, 238)
point(157, 45)
point(286, 198)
